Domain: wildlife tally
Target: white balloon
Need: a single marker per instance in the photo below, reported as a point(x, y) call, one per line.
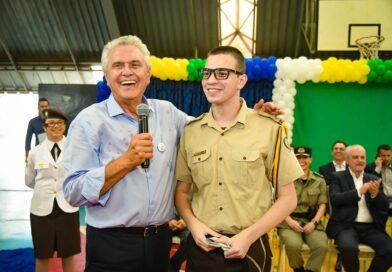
point(291, 105)
point(281, 90)
point(278, 82)
point(290, 119)
point(287, 111)
point(301, 80)
point(279, 74)
point(292, 91)
point(287, 97)
point(288, 83)
point(289, 126)
point(281, 103)
point(302, 59)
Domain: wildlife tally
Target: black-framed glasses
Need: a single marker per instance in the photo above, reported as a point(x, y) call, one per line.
point(219, 73)
point(52, 124)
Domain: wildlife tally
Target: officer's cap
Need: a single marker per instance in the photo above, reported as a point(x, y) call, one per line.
point(53, 113)
point(303, 151)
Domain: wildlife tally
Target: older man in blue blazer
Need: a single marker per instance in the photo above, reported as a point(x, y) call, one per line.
point(359, 213)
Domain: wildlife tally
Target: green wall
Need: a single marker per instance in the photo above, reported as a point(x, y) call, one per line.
point(357, 114)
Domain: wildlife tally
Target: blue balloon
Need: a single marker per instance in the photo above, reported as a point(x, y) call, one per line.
point(271, 71)
point(271, 60)
point(257, 71)
point(103, 90)
point(264, 64)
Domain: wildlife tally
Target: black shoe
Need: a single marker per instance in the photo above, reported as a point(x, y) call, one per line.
point(301, 269)
point(338, 265)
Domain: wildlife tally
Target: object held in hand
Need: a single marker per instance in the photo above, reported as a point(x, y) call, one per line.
point(211, 242)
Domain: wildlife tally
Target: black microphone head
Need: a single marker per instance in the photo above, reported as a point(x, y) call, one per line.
point(142, 109)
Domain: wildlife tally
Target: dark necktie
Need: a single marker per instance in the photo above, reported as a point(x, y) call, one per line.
point(55, 151)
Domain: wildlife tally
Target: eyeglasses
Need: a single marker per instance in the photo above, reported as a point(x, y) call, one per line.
point(219, 73)
point(52, 124)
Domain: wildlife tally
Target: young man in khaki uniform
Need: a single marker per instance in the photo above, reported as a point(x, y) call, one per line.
point(302, 226)
point(231, 155)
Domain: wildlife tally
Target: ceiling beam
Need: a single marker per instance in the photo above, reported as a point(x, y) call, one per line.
point(57, 17)
point(14, 68)
point(110, 18)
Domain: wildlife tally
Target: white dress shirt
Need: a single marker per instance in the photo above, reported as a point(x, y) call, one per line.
point(363, 215)
point(339, 167)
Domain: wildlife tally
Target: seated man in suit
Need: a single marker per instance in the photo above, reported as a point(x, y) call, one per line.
point(382, 168)
point(359, 213)
point(338, 163)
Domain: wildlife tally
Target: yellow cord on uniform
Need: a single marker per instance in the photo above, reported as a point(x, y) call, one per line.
point(275, 164)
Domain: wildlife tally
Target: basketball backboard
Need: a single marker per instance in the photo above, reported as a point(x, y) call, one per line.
point(341, 22)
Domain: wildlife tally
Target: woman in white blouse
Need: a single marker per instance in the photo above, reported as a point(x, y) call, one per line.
point(54, 223)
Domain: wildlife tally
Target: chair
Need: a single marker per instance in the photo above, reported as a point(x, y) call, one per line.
point(389, 225)
point(366, 253)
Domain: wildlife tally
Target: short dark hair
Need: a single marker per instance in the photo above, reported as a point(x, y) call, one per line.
point(43, 99)
point(339, 142)
point(232, 51)
point(383, 147)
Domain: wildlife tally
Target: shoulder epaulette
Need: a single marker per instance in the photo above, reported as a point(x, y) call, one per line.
point(196, 119)
point(273, 118)
point(318, 174)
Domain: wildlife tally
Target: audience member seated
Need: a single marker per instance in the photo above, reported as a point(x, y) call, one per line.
point(303, 226)
point(359, 213)
point(382, 168)
point(338, 163)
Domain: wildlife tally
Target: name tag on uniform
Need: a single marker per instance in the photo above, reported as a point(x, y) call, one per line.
point(41, 165)
point(199, 153)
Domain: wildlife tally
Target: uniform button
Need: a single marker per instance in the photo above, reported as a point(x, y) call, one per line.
point(220, 158)
point(220, 183)
point(55, 167)
point(55, 179)
point(198, 159)
point(222, 134)
point(244, 158)
point(220, 208)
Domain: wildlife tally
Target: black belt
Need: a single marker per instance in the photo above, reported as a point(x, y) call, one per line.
point(364, 223)
point(300, 215)
point(144, 231)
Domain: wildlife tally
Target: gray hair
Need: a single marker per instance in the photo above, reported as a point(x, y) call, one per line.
point(351, 147)
point(125, 40)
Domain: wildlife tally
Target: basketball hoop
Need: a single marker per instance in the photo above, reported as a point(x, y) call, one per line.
point(369, 46)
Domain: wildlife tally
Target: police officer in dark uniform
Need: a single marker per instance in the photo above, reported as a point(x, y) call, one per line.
point(302, 226)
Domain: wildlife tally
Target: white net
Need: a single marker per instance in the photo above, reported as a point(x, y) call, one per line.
point(369, 46)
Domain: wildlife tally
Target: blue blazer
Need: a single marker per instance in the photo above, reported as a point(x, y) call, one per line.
point(344, 202)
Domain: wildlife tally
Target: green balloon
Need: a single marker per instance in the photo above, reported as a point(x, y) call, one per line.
point(388, 76)
point(380, 69)
point(372, 76)
point(388, 64)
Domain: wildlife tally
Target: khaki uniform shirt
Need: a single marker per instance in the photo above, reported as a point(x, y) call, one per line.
point(228, 168)
point(312, 193)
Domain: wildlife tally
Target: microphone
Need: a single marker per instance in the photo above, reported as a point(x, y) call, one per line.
point(143, 110)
